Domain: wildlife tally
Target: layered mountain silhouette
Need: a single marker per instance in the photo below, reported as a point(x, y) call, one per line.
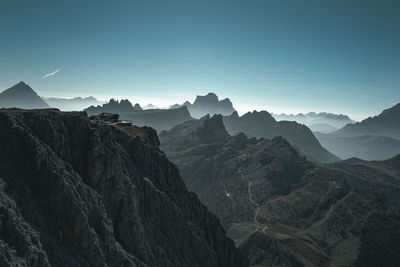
point(367, 147)
point(262, 124)
point(76, 192)
point(114, 106)
point(375, 138)
point(323, 122)
point(21, 95)
point(72, 104)
point(150, 106)
point(159, 119)
point(208, 104)
point(282, 210)
point(385, 124)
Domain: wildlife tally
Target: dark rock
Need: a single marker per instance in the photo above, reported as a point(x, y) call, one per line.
point(262, 124)
point(282, 210)
point(73, 193)
point(21, 96)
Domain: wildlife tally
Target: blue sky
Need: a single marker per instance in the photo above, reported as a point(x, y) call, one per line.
point(339, 56)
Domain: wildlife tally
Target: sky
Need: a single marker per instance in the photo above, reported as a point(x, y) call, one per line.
point(290, 56)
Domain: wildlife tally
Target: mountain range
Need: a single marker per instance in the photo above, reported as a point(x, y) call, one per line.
point(323, 122)
point(83, 190)
point(114, 106)
point(262, 124)
point(159, 119)
point(375, 138)
point(282, 210)
point(208, 104)
point(385, 124)
point(76, 192)
point(72, 104)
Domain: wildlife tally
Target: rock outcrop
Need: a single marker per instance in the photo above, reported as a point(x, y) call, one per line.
point(283, 210)
point(80, 193)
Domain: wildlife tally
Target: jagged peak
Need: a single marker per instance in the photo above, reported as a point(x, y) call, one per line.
point(234, 114)
point(212, 129)
point(137, 107)
point(258, 115)
point(226, 100)
point(21, 83)
point(210, 98)
point(20, 86)
point(186, 103)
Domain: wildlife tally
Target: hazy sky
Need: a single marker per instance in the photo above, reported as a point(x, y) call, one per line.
point(283, 56)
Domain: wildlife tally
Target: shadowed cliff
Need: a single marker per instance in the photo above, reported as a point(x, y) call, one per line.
point(75, 192)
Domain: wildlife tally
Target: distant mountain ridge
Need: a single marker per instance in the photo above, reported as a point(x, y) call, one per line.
point(386, 124)
point(262, 124)
point(208, 104)
point(375, 138)
point(366, 147)
point(72, 104)
point(150, 106)
point(21, 95)
point(323, 121)
point(114, 106)
point(159, 119)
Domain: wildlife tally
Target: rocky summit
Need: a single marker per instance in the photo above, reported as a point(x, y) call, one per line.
point(21, 95)
point(283, 210)
point(209, 104)
point(78, 192)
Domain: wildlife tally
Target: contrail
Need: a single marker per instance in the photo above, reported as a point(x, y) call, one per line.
point(51, 74)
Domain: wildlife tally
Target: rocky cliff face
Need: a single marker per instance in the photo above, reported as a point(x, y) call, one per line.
point(283, 210)
point(78, 193)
